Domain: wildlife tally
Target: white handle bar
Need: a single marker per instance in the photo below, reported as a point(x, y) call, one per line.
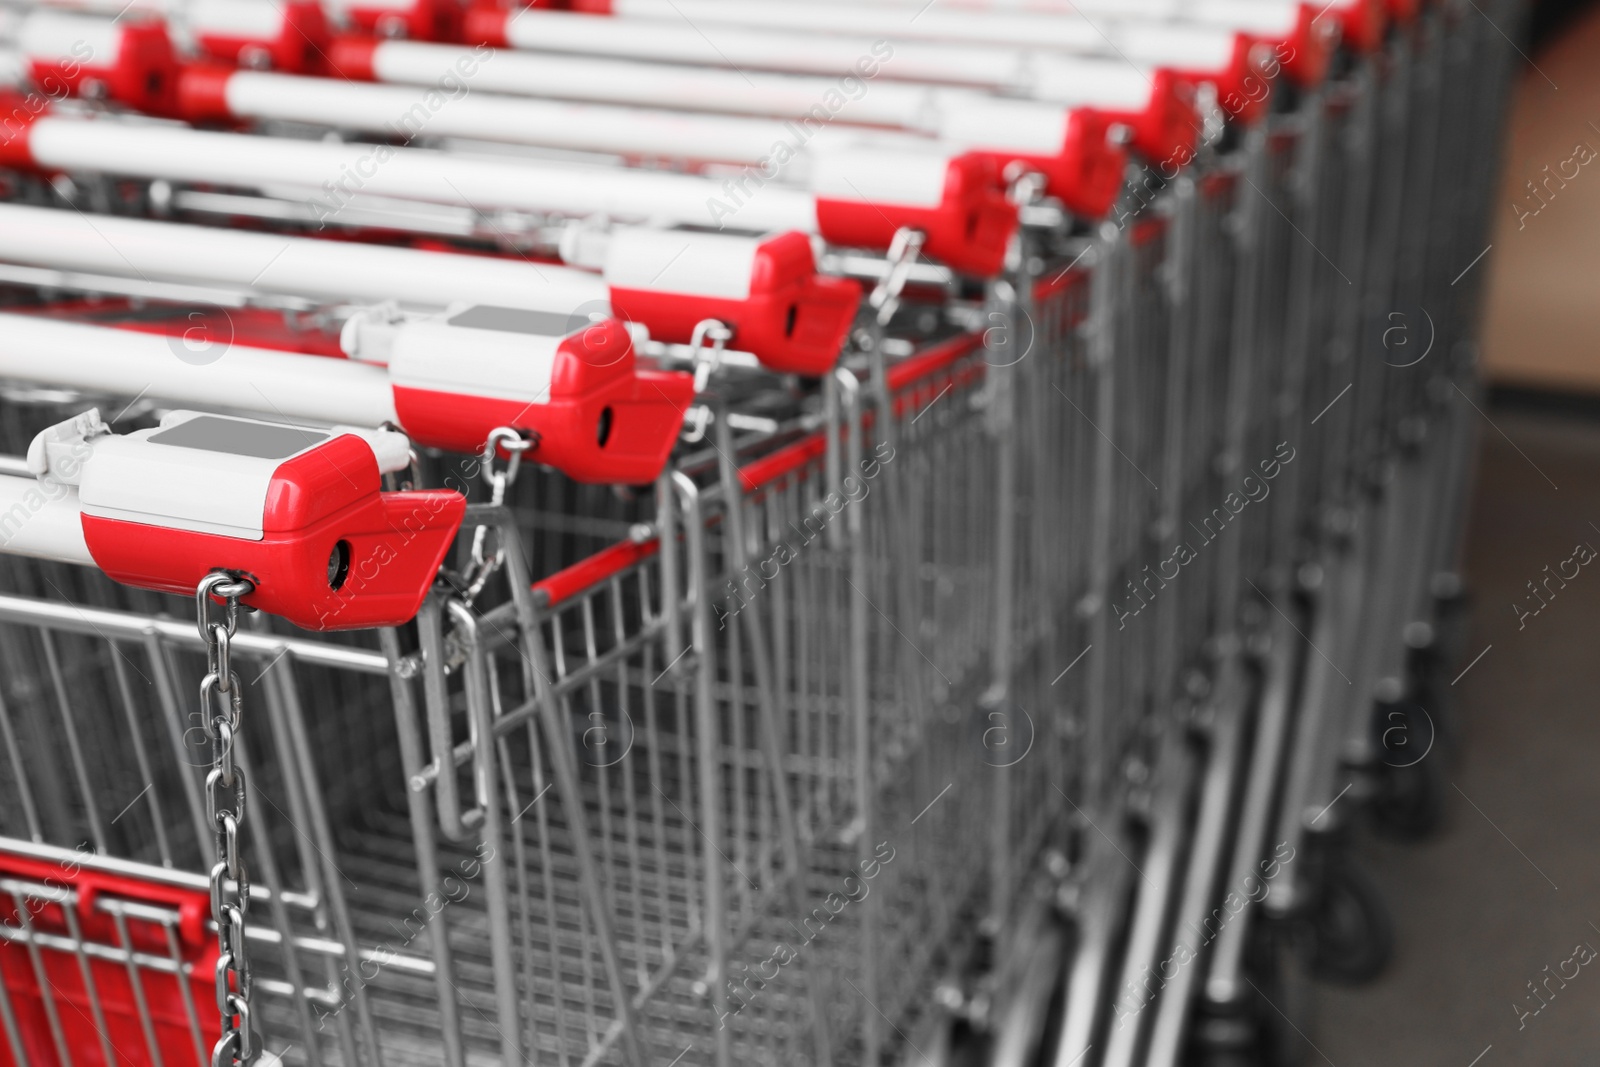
point(300, 266)
point(283, 385)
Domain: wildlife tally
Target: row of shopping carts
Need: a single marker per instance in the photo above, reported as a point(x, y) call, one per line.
point(706, 532)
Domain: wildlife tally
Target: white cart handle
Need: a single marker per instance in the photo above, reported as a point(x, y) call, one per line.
point(766, 290)
point(801, 44)
point(1071, 148)
point(1149, 100)
point(326, 271)
point(860, 198)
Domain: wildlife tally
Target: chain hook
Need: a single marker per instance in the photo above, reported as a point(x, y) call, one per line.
point(1026, 187)
point(514, 443)
point(706, 345)
point(903, 251)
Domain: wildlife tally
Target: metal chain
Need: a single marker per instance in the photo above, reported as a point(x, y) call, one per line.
point(221, 703)
point(514, 443)
point(706, 345)
point(902, 256)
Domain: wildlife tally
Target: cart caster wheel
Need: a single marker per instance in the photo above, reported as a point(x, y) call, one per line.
point(1434, 693)
point(1409, 804)
point(1352, 933)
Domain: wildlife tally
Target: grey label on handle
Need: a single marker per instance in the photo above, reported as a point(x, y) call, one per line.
point(239, 437)
point(516, 320)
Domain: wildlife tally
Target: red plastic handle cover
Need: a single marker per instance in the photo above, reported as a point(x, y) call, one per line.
point(1366, 21)
point(1307, 52)
point(1086, 174)
point(967, 231)
point(604, 421)
point(336, 553)
point(1168, 129)
point(1244, 89)
point(140, 73)
point(299, 46)
point(794, 320)
point(422, 20)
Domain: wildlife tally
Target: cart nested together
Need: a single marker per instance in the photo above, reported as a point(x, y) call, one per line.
point(946, 675)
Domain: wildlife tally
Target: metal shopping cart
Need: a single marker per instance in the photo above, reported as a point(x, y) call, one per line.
point(925, 693)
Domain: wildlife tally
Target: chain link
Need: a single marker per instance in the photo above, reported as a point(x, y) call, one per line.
point(514, 443)
point(706, 346)
point(222, 705)
point(902, 256)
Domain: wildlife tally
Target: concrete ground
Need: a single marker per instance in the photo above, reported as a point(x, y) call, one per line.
point(1512, 884)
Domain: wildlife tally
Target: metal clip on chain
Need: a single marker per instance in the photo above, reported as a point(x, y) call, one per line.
point(901, 258)
point(221, 703)
point(706, 345)
point(500, 479)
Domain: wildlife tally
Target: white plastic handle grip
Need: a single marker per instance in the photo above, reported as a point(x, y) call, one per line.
point(41, 521)
point(275, 385)
point(331, 174)
point(300, 266)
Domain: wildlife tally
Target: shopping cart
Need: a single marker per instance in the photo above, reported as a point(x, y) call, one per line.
point(938, 690)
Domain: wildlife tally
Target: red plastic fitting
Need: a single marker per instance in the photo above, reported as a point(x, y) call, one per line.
point(333, 551)
point(967, 229)
point(299, 46)
point(421, 20)
point(139, 72)
point(792, 318)
point(596, 416)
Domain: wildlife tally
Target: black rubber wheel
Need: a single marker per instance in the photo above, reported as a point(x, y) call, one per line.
point(1410, 800)
point(1432, 689)
point(1352, 932)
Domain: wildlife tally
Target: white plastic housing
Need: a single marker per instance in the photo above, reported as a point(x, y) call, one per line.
point(440, 355)
point(700, 264)
point(220, 488)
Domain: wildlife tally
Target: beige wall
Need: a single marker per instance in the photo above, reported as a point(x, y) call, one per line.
point(1542, 325)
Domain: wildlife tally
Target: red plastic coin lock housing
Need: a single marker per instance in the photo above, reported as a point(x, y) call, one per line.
point(866, 195)
point(298, 511)
point(291, 36)
point(1306, 51)
point(766, 289)
point(1364, 23)
point(569, 381)
point(1070, 147)
point(1244, 88)
point(128, 60)
point(417, 20)
point(1155, 103)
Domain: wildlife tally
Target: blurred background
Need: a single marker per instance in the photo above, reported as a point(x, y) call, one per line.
point(1509, 890)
